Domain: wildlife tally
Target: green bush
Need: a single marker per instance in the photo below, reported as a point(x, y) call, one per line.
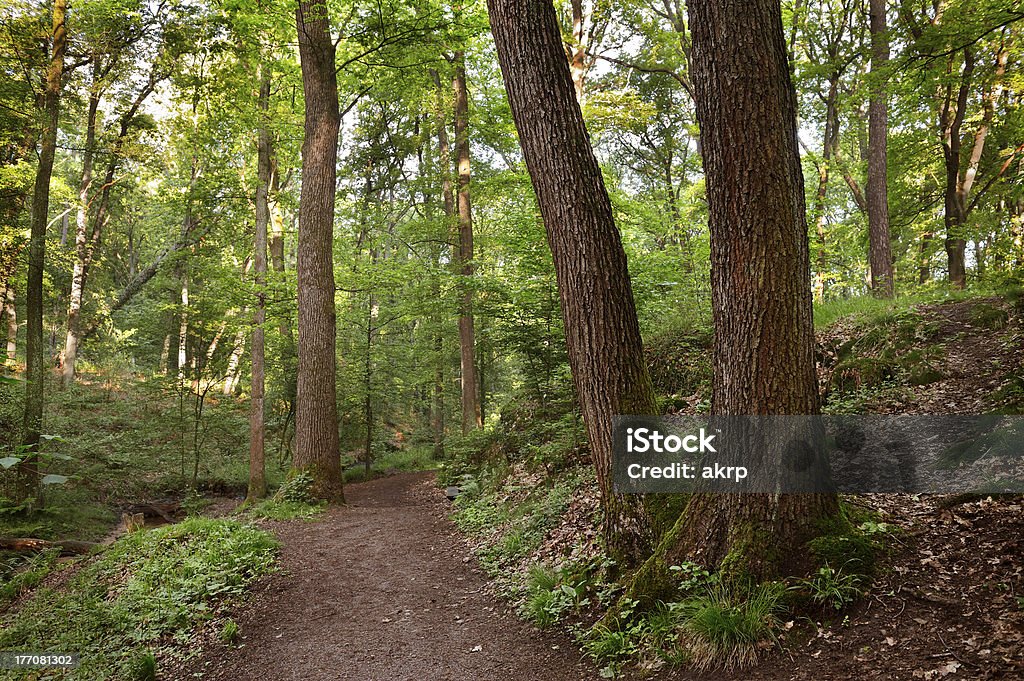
point(724, 628)
point(833, 588)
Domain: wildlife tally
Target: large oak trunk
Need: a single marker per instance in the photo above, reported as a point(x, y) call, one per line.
point(316, 417)
point(601, 328)
point(760, 275)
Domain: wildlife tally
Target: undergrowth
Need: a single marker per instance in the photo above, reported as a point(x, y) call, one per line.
point(142, 599)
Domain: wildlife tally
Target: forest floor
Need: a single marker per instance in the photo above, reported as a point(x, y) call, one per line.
point(383, 588)
point(387, 587)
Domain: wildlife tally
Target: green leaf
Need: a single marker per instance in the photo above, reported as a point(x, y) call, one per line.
point(54, 479)
point(9, 461)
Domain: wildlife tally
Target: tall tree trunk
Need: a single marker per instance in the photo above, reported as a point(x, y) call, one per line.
point(28, 485)
point(81, 233)
point(316, 418)
point(472, 417)
point(880, 248)
point(257, 449)
point(284, 326)
point(601, 328)
point(830, 140)
point(760, 275)
point(448, 202)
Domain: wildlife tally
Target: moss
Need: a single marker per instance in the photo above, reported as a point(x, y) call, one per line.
point(842, 545)
point(664, 510)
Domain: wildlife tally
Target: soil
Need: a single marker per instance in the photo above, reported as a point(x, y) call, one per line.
point(383, 588)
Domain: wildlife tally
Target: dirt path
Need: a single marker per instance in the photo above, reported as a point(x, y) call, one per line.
point(383, 589)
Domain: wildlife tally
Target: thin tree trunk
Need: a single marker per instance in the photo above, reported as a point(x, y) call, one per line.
point(12, 323)
point(764, 337)
point(81, 234)
point(277, 261)
point(28, 484)
point(601, 328)
point(234, 371)
point(472, 417)
point(880, 248)
point(183, 326)
point(257, 448)
point(448, 200)
point(316, 422)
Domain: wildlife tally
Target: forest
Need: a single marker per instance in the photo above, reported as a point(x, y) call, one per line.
point(319, 319)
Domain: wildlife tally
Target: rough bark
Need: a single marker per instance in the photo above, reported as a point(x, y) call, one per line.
point(257, 449)
point(316, 419)
point(29, 489)
point(760, 274)
point(472, 416)
point(601, 328)
point(880, 248)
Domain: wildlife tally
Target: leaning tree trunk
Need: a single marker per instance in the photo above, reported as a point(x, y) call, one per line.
point(602, 333)
point(316, 417)
point(257, 449)
point(472, 416)
point(760, 276)
point(880, 248)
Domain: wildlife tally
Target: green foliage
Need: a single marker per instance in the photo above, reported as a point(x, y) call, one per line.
point(229, 632)
point(19, 574)
point(146, 591)
point(552, 594)
point(692, 577)
point(297, 489)
point(834, 588)
point(725, 628)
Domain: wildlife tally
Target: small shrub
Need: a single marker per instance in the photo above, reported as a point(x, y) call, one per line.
point(144, 667)
point(728, 629)
point(297, 488)
point(229, 632)
point(832, 588)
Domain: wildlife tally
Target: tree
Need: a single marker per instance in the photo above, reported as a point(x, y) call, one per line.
point(471, 413)
point(880, 249)
point(316, 415)
point(602, 332)
point(760, 275)
point(28, 471)
point(257, 454)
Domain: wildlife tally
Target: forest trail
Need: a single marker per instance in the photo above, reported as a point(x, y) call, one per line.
point(382, 589)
